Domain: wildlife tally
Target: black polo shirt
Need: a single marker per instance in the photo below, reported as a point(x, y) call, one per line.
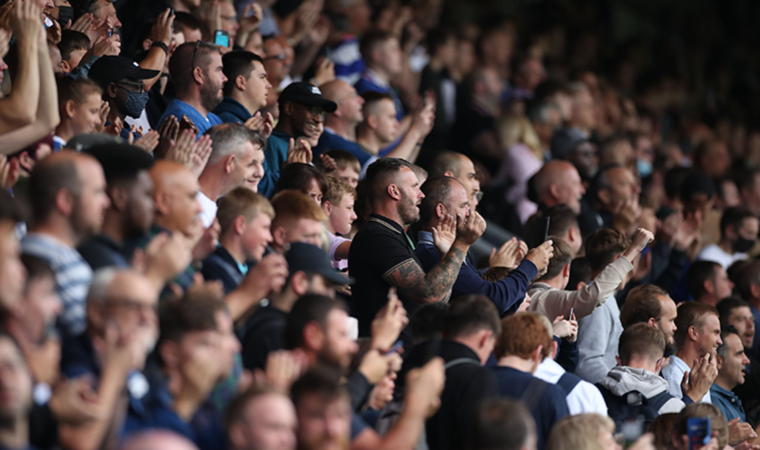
point(377, 249)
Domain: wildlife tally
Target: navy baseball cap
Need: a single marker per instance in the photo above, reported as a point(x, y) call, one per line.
point(302, 257)
point(304, 93)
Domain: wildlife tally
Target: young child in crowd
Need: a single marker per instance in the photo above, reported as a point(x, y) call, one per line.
point(79, 102)
point(338, 204)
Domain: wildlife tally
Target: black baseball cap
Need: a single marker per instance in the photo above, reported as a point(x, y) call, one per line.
point(111, 69)
point(566, 140)
point(302, 257)
point(307, 94)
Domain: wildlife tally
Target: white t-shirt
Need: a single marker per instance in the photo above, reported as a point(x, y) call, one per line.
point(335, 242)
point(716, 254)
point(584, 398)
point(209, 208)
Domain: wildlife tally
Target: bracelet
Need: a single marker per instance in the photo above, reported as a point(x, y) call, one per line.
point(161, 45)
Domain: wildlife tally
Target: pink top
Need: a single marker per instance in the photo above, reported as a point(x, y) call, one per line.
point(335, 242)
point(518, 166)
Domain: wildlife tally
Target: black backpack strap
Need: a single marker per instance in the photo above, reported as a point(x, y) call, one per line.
point(659, 400)
point(458, 361)
point(568, 381)
point(533, 393)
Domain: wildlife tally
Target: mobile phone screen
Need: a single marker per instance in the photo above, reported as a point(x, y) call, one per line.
point(222, 38)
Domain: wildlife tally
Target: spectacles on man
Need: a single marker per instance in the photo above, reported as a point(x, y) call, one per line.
point(195, 52)
point(131, 86)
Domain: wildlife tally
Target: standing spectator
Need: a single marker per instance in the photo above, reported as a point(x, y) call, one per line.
point(697, 337)
point(435, 78)
point(680, 437)
point(157, 439)
point(12, 274)
point(456, 165)
point(231, 163)
point(590, 431)
point(651, 305)
point(394, 195)
point(344, 46)
point(708, 282)
point(558, 183)
point(563, 223)
point(571, 145)
point(262, 419)
point(68, 197)
point(521, 346)
point(617, 191)
point(196, 71)
point(383, 57)
point(582, 112)
point(340, 125)
point(503, 424)
point(739, 228)
point(347, 167)
point(246, 89)
point(545, 117)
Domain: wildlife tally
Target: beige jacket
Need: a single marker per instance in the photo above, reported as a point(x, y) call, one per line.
point(553, 302)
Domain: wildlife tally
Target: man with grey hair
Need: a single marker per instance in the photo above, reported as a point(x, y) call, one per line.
point(233, 161)
point(122, 329)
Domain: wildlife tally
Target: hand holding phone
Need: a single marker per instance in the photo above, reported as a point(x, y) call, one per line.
point(222, 38)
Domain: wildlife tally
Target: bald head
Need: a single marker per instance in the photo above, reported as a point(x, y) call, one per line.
point(167, 173)
point(157, 440)
point(335, 90)
point(558, 183)
point(349, 113)
point(175, 194)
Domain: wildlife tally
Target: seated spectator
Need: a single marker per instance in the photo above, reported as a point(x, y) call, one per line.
point(581, 396)
point(599, 332)
point(708, 282)
point(17, 403)
point(304, 178)
point(302, 114)
point(563, 223)
point(58, 227)
point(382, 255)
point(246, 89)
point(558, 183)
point(651, 305)
point(470, 329)
point(310, 274)
point(616, 190)
point(196, 71)
point(245, 219)
point(338, 205)
point(634, 388)
point(738, 233)
point(79, 101)
point(520, 348)
point(680, 439)
point(572, 145)
point(748, 287)
point(611, 262)
point(231, 164)
point(697, 337)
point(73, 46)
point(347, 167)
point(456, 165)
point(296, 219)
point(589, 431)
point(445, 196)
point(122, 329)
point(503, 424)
point(261, 418)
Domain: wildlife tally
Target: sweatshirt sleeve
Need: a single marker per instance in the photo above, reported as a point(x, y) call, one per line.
point(593, 340)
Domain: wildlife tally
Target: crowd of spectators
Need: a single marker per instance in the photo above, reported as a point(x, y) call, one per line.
point(379, 224)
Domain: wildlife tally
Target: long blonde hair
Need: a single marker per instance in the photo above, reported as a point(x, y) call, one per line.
point(517, 129)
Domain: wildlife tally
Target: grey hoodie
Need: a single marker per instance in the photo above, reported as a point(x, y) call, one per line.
point(622, 380)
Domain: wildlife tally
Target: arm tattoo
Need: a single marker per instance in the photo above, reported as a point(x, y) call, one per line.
point(433, 287)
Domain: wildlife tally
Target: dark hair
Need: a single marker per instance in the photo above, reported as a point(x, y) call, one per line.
point(72, 41)
point(674, 179)
point(437, 38)
point(48, 177)
point(181, 64)
point(735, 217)
point(469, 314)
point(121, 162)
point(372, 39)
point(502, 424)
point(643, 341)
point(322, 381)
point(236, 410)
point(727, 306)
point(307, 309)
point(187, 21)
point(696, 183)
point(379, 175)
point(724, 332)
point(445, 161)
point(747, 277)
point(36, 268)
point(691, 314)
point(641, 305)
point(236, 63)
point(563, 255)
point(76, 90)
point(603, 246)
point(580, 270)
point(563, 218)
point(427, 320)
point(697, 274)
point(437, 190)
point(298, 177)
point(10, 208)
point(195, 311)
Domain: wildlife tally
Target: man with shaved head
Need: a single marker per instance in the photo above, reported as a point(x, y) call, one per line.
point(340, 126)
point(68, 199)
point(558, 183)
point(175, 192)
point(382, 255)
point(157, 440)
point(457, 165)
point(122, 329)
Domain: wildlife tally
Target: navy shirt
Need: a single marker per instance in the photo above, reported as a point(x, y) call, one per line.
point(102, 251)
point(550, 408)
point(331, 141)
point(265, 333)
point(507, 294)
point(221, 266)
point(232, 111)
point(275, 155)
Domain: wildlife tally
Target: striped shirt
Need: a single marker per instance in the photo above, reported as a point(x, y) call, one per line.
point(72, 276)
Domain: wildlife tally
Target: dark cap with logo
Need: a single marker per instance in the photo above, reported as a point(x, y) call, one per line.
point(566, 140)
point(111, 69)
point(307, 94)
point(302, 257)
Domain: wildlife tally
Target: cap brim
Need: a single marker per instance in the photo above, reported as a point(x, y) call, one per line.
point(327, 105)
point(337, 278)
point(142, 74)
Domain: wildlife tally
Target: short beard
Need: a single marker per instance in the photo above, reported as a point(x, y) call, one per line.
point(408, 211)
point(670, 349)
point(209, 97)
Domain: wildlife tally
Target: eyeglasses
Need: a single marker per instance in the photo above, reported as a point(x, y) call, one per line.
point(131, 86)
point(316, 111)
point(195, 52)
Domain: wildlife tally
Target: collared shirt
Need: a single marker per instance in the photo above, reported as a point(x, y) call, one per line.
point(232, 111)
point(208, 209)
point(507, 294)
point(728, 403)
point(583, 398)
point(72, 278)
point(377, 250)
point(673, 373)
point(221, 266)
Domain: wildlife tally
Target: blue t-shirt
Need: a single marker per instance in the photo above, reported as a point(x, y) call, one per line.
point(177, 108)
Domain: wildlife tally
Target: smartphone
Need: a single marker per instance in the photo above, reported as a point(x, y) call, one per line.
point(396, 347)
point(699, 432)
point(110, 32)
point(171, 13)
point(221, 38)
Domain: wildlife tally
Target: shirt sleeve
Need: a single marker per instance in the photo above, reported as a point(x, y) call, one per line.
point(391, 254)
point(593, 339)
